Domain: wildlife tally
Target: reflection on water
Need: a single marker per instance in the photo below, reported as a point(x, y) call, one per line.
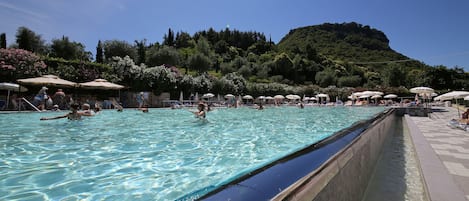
point(397, 175)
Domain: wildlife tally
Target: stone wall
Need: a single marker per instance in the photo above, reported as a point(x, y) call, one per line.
point(345, 176)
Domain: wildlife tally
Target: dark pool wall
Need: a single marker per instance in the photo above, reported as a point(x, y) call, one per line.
point(345, 176)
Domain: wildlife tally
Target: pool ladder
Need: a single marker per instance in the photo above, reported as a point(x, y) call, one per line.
point(30, 104)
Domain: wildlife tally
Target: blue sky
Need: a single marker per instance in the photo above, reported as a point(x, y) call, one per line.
point(435, 32)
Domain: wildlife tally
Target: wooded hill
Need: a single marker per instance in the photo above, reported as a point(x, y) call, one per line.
point(305, 61)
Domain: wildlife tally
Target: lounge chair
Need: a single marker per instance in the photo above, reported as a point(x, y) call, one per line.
point(454, 123)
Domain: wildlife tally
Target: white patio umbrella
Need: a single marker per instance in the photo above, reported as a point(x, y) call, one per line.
point(453, 95)
point(248, 97)
point(269, 98)
point(421, 90)
point(375, 96)
point(292, 97)
point(279, 97)
point(11, 87)
point(208, 95)
point(390, 96)
point(364, 96)
point(229, 96)
point(466, 98)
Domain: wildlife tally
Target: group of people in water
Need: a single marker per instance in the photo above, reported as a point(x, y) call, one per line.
point(75, 113)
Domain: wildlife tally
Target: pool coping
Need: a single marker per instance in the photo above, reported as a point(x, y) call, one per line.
point(439, 184)
point(322, 152)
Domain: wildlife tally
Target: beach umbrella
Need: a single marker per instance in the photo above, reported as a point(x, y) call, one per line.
point(421, 90)
point(208, 95)
point(261, 97)
point(269, 98)
point(47, 80)
point(11, 87)
point(364, 96)
point(376, 96)
point(248, 97)
point(453, 95)
point(293, 97)
point(466, 98)
point(322, 95)
point(279, 97)
point(100, 84)
point(229, 96)
point(391, 96)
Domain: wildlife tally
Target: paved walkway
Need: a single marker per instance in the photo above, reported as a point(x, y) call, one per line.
point(443, 153)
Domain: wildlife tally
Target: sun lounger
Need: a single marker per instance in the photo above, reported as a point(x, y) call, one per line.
point(454, 123)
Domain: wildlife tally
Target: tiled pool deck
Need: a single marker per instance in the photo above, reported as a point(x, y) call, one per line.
point(443, 153)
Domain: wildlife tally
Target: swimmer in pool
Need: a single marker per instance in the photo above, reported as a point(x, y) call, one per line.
point(200, 113)
point(72, 115)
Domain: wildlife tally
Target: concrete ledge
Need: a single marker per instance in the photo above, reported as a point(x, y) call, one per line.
point(345, 175)
point(440, 184)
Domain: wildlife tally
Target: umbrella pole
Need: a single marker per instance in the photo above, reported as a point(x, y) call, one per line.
point(8, 99)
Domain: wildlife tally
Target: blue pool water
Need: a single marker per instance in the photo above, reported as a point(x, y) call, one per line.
point(161, 155)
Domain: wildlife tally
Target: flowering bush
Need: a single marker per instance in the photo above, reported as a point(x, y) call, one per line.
point(23, 62)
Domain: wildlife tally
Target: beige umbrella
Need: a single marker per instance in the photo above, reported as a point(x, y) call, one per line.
point(100, 84)
point(47, 80)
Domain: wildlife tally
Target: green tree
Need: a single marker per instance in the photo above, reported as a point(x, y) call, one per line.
point(163, 55)
point(183, 40)
point(326, 78)
point(203, 47)
point(283, 65)
point(28, 40)
point(394, 76)
point(199, 62)
point(349, 81)
point(99, 52)
point(141, 50)
point(3, 41)
point(168, 39)
point(66, 49)
point(118, 48)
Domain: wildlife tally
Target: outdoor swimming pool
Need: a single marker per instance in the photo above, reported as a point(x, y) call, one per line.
point(161, 155)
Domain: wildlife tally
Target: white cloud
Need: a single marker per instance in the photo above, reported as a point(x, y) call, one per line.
point(20, 10)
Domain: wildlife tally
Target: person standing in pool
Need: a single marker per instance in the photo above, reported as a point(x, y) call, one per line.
point(86, 110)
point(72, 115)
point(200, 113)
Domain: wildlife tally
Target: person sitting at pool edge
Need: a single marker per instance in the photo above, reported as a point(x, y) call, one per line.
point(72, 115)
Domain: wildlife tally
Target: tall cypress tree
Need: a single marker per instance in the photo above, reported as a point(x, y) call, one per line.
point(99, 53)
point(169, 39)
point(3, 40)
